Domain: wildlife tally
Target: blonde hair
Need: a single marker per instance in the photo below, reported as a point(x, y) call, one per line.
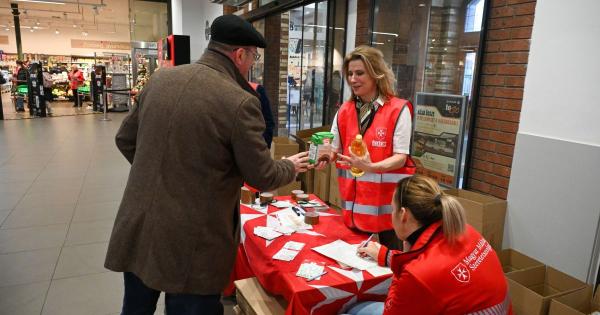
point(376, 68)
point(427, 203)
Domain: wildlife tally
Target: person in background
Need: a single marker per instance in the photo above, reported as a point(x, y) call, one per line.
point(47, 89)
point(76, 80)
point(447, 267)
point(265, 108)
point(193, 139)
point(385, 123)
point(19, 79)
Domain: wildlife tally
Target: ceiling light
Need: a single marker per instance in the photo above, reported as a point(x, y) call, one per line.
point(57, 32)
point(84, 33)
point(41, 1)
point(31, 30)
point(7, 29)
point(74, 25)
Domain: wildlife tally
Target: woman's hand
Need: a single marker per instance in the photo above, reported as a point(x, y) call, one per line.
point(370, 250)
point(362, 162)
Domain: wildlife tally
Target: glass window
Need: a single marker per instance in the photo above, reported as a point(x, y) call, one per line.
point(474, 16)
point(432, 46)
point(258, 69)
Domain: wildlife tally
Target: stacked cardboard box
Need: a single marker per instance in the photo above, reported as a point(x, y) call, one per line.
point(252, 299)
point(485, 213)
point(334, 188)
point(513, 260)
point(577, 303)
point(322, 185)
point(531, 290)
point(283, 146)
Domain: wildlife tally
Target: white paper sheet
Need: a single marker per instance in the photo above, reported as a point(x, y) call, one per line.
point(346, 254)
point(287, 217)
point(293, 245)
point(379, 271)
point(285, 254)
point(266, 232)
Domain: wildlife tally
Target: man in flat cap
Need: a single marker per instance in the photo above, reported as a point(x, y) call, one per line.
point(195, 136)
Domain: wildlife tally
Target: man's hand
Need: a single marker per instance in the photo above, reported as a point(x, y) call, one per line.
point(300, 161)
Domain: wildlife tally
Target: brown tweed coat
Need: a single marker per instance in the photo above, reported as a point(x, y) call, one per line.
point(194, 138)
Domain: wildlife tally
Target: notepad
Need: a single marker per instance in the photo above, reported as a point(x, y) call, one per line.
point(346, 254)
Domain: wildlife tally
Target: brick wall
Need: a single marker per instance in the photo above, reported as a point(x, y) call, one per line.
point(276, 36)
point(505, 56)
point(363, 19)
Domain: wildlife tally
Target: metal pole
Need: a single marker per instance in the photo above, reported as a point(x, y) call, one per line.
point(15, 12)
point(105, 105)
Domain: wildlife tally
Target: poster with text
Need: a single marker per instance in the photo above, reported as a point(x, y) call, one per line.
point(437, 136)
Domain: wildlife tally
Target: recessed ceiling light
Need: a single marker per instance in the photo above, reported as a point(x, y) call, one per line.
point(57, 32)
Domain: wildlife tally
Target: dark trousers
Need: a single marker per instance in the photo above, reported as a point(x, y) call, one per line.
point(77, 102)
point(141, 300)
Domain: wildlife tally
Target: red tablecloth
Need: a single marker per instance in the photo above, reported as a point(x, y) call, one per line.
point(334, 292)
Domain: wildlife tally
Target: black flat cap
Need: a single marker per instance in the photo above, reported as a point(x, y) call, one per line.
point(233, 30)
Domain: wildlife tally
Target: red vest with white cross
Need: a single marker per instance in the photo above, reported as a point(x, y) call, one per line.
point(366, 200)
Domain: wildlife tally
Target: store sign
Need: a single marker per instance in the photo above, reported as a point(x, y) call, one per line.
point(100, 44)
point(437, 137)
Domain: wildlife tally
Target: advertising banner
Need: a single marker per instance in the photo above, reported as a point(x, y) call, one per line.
point(437, 136)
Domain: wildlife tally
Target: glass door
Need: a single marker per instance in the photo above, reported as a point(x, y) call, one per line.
point(305, 78)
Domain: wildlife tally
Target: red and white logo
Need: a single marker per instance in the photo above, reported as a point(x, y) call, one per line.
point(380, 133)
point(461, 273)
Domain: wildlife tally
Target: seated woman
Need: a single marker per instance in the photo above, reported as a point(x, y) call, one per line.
point(447, 266)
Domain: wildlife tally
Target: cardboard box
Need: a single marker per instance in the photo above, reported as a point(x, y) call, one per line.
point(576, 303)
point(485, 213)
point(532, 289)
point(334, 188)
point(322, 182)
point(283, 146)
point(287, 189)
point(302, 137)
point(513, 260)
point(254, 300)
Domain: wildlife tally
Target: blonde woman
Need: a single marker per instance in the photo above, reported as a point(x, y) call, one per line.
point(446, 268)
point(385, 123)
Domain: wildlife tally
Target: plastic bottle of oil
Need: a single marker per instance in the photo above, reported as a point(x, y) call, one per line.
point(359, 148)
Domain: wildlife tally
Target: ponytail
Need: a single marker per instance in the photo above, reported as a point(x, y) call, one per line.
point(428, 204)
point(453, 218)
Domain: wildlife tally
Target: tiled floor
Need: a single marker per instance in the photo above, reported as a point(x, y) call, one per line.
point(61, 181)
point(59, 108)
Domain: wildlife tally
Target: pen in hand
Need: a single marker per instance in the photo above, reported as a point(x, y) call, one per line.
point(364, 244)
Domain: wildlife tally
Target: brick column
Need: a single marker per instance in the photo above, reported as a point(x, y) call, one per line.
point(505, 55)
point(275, 75)
point(363, 14)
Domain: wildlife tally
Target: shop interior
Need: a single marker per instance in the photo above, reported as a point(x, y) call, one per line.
point(114, 39)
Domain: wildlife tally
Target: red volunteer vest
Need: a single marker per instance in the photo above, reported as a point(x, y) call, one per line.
point(366, 200)
point(465, 278)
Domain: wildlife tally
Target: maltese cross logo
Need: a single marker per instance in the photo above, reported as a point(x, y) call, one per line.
point(461, 273)
point(380, 133)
